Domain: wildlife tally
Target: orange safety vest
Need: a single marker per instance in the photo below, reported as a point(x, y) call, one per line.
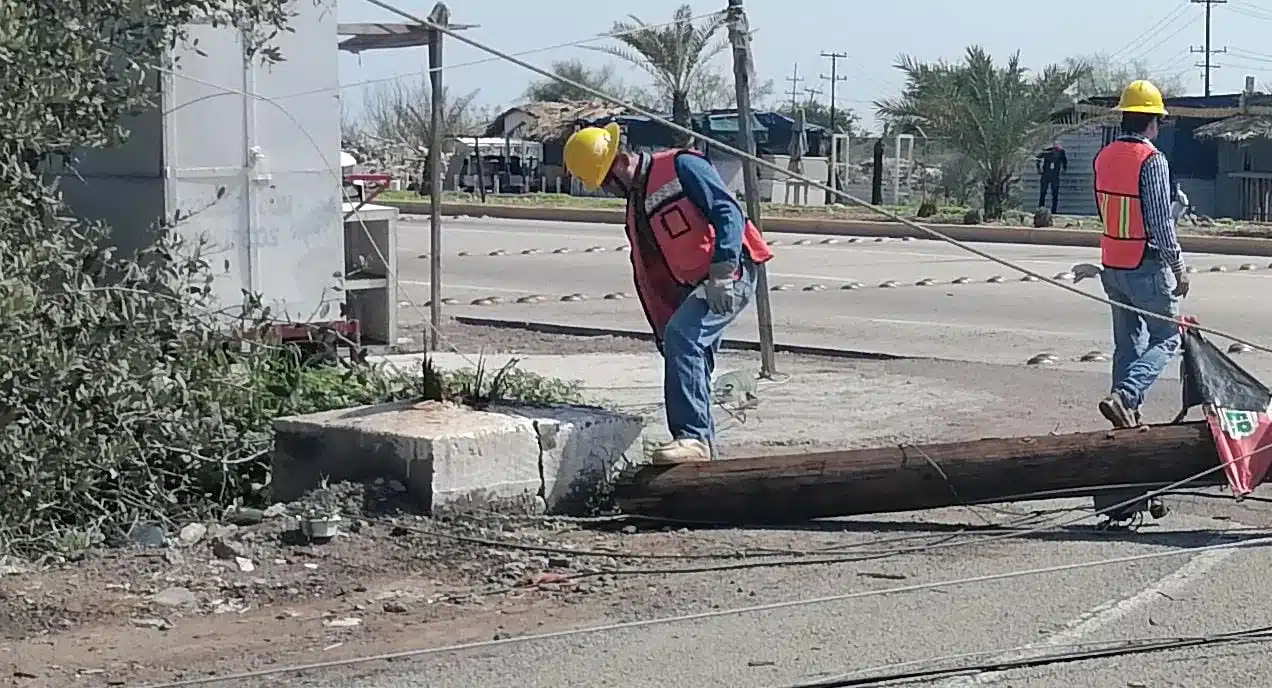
point(682, 241)
point(1117, 198)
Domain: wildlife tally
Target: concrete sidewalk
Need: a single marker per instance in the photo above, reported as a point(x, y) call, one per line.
point(828, 403)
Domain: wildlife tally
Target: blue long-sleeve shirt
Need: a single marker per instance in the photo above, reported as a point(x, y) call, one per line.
point(704, 187)
point(1155, 199)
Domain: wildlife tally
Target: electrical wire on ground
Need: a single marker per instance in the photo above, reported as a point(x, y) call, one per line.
point(1083, 652)
point(718, 613)
point(749, 157)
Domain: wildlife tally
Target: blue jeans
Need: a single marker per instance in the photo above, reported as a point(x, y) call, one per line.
point(1142, 346)
point(690, 343)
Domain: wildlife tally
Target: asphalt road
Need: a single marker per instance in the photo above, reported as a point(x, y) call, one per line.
point(1007, 321)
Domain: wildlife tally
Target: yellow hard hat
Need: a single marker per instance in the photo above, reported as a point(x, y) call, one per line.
point(1141, 96)
point(589, 153)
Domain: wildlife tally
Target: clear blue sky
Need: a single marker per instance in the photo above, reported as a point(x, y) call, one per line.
point(873, 34)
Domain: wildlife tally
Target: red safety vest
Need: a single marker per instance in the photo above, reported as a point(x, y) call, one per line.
point(1117, 198)
point(682, 239)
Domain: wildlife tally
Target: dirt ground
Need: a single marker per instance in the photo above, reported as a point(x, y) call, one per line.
point(502, 340)
point(216, 598)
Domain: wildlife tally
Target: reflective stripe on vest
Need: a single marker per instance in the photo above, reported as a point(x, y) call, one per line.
point(683, 235)
point(1118, 201)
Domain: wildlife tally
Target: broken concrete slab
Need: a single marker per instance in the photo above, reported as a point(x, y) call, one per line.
point(450, 457)
point(581, 451)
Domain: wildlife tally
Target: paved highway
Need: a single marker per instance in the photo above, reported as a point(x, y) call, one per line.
point(940, 301)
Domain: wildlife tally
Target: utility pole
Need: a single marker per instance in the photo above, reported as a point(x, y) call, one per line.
point(1206, 50)
point(799, 487)
point(740, 40)
point(834, 79)
point(812, 94)
point(440, 17)
point(795, 80)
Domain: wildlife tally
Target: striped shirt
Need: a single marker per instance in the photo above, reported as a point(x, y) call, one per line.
point(1155, 199)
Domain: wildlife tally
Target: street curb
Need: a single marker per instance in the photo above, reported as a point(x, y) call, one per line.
point(732, 344)
point(1221, 245)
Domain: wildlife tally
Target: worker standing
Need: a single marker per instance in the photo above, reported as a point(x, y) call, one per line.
point(1050, 163)
point(1143, 265)
point(694, 256)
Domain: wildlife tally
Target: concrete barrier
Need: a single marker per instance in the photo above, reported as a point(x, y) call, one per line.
point(1192, 243)
point(558, 459)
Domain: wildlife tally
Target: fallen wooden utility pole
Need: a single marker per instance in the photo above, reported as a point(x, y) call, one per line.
point(784, 489)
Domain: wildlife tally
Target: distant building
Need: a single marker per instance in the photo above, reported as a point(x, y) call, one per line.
point(1219, 147)
point(552, 123)
point(549, 124)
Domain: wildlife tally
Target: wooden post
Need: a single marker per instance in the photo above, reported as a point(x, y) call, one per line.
point(784, 489)
point(440, 16)
point(740, 39)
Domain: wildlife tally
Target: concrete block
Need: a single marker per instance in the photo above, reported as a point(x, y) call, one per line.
point(446, 455)
point(449, 457)
point(582, 451)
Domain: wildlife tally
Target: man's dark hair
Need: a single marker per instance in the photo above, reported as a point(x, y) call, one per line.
point(1137, 122)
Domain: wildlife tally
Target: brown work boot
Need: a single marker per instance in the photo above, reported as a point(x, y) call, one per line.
point(1114, 410)
point(680, 451)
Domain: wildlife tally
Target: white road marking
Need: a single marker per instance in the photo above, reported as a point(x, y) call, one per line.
point(1107, 614)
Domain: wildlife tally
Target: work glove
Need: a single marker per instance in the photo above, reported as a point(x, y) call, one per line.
point(1181, 284)
point(719, 288)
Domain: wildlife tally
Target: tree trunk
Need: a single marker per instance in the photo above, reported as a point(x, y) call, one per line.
point(995, 198)
point(876, 177)
point(680, 115)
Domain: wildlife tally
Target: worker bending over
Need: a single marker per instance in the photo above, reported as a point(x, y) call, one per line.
point(1143, 265)
point(694, 256)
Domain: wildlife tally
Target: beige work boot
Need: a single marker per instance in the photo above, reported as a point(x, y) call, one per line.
point(680, 451)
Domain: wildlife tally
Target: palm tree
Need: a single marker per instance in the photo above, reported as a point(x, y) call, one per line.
point(993, 115)
point(676, 55)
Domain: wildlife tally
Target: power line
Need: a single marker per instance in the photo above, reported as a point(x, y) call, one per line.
point(1206, 65)
point(761, 162)
point(718, 613)
point(812, 94)
point(1140, 54)
point(1153, 30)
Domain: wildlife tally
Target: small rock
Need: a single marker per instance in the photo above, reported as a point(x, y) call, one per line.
point(275, 510)
point(244, 564)
point(244, 516)
point(222, 530)
point(349, 622)
point(394, 607)
point(227, 549)
point(558, 562)
point(175, 597)
point(148, 536)
point(192, 533)
point(629, 530)
point(151, 623)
